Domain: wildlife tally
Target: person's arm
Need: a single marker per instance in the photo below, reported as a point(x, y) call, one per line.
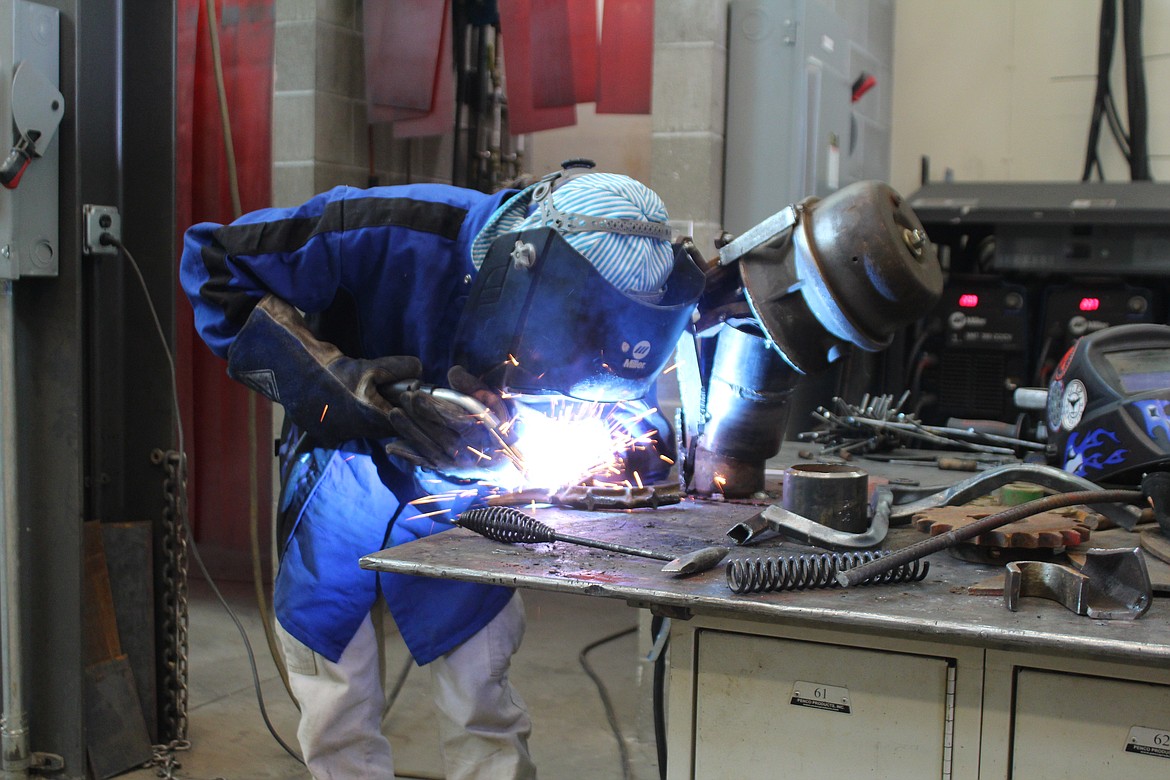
point(247, 280)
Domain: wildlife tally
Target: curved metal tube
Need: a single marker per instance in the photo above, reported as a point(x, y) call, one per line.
point(1045, 476)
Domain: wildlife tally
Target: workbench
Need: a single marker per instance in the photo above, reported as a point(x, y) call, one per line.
point(913, 680)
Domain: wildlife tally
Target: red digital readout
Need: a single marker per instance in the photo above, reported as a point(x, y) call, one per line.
point(1089, 304)
point(968, 300)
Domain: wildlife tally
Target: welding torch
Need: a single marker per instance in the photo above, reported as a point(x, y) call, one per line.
point(474, 408)
point(471, 405)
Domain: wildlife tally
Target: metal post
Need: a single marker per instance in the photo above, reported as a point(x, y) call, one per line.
point(14, 719)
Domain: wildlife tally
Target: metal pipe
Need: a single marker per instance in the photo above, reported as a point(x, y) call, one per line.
point(746, 407)
point(16, 758)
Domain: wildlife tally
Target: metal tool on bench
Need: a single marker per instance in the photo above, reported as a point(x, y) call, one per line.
point(510, 525)
point(1112, 584)
point(825, 505)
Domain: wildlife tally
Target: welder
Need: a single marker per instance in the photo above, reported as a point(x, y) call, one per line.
point(383, 277)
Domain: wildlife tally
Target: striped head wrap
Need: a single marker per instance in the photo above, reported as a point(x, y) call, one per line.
point(636, 264)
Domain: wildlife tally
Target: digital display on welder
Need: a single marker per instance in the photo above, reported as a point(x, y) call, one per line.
point(1139, 370)
point(1089, 304)
point(968, 300)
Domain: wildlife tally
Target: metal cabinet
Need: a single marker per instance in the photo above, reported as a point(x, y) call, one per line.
point(817, 710)
point(809, 703)
point(1049, 717)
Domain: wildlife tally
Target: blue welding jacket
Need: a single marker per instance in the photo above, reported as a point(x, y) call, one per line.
point(383, 271)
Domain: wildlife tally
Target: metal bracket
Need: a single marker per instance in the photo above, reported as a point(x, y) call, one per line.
point(1112, 585)
point(784, 219)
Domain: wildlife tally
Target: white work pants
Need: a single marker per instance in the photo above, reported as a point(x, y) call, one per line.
point(483, 722)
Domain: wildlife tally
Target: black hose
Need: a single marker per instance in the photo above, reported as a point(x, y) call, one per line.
point(1105, 36)
point(1135, 90)
point(659, 696)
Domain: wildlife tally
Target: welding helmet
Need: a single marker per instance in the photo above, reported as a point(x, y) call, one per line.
point(1108, 415)
point(577, 294)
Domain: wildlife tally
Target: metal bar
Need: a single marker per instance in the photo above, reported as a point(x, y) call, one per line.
point(14, 722)
point(951, 538)
point(771, 227)
point(612, 547)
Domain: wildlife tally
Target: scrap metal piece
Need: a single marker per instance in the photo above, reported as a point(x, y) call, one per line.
point(1112, 585)
point(828, 494)
point(807, 531)
point(592, 497)
point(823, 505)
point(1044, 476)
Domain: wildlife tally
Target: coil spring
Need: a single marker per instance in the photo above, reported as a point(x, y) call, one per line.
point(800, 572)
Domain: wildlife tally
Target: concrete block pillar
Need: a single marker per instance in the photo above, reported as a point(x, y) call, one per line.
point(687, 123)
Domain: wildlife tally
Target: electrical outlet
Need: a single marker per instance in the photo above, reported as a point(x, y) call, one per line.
point(98, 220)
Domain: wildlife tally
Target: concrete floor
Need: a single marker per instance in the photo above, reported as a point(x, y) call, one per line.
point(571, 737)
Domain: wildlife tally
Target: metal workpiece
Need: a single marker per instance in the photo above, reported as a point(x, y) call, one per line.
point(1112, 584)
point(831, 495)
point(772, 229)
point(745, 407)
point(616, 496)
point(807, 531)
point(824, 505)
point(1124, 515)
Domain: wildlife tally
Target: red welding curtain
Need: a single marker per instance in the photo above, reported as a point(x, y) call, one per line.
point(553, 60)
point(626, 59)
point(524, 116)
point(214, 408)
point(563, 37)
point(403, 43)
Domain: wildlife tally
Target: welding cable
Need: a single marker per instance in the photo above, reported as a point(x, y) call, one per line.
point(1107, 29)
point(606, 703)
point(1135, 90)
point(660, 628)
point(108, 240)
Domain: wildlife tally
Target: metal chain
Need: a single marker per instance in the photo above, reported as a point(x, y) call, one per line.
point(165, 759)
point(173, 599)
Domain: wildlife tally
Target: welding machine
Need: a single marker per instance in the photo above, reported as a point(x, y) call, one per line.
point(976, 354)
point(1085, 306)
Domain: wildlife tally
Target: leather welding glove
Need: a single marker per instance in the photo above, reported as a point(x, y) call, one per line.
point(439, 433)
point(327, 394)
